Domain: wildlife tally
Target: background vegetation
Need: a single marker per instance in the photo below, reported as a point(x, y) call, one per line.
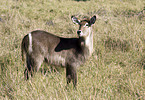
point(115, 71)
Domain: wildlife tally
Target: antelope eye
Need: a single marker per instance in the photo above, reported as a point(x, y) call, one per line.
point(86, 25)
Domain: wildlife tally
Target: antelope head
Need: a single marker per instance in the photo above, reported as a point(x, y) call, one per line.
point(85, 31)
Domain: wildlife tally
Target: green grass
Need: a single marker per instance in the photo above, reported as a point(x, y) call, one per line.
point(116, 69)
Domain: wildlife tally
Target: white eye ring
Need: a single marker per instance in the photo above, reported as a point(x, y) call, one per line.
point(86, 25)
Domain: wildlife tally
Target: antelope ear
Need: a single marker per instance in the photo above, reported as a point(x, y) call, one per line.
point(75, 20)
point(92, 20)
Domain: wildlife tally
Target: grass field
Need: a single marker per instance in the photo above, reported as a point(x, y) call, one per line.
point(116, 70)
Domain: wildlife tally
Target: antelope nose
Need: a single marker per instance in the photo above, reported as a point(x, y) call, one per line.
point(78, 32)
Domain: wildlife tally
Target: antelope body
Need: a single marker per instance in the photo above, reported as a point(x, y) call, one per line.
point(39, 46)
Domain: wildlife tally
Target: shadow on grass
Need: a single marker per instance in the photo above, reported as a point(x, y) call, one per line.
point(6, 89)
point(126, 89)
point(46, 69)
point(141, 62)
point(4, 62)
point(117, 44)
point(131, 13)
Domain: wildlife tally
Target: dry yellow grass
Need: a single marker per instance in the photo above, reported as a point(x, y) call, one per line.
point(115, 71)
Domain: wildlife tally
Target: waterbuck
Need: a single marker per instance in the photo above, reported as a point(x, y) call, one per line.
point(39, 46)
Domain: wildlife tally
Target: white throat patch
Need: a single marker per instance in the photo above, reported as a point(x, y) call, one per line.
point(89, 41)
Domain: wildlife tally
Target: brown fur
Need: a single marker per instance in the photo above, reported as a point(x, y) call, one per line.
point(66, 52)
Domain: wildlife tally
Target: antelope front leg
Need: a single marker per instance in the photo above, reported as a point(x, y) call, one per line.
point(71, 74)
